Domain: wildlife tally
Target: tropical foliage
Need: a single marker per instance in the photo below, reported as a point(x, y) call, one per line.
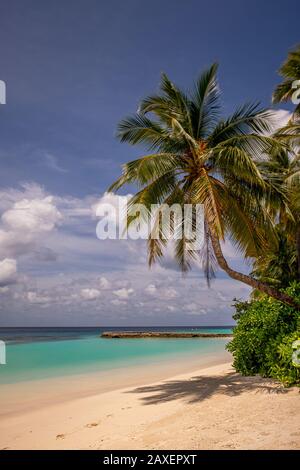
point(281, 261)
point(289, 165)
point(280, 264)
point(264, 336)
point(290, 72)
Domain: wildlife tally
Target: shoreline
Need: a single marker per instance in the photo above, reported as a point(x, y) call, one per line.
point(23, 396)
point(210, 407)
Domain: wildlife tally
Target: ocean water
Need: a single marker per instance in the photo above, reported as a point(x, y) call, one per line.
point(37, 353)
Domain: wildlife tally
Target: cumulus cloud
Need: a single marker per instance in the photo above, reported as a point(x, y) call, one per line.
point(26, 220)
point(192, 307)
point(162, 293)
point(36, 298)
point(151, 289)
point(90, 294)
point(56, 248)
point(104, 283)
point(123, 293)
point(169, 293)
point(8, 271)
point(171, 308)
point(34, 216)
point(8, 196)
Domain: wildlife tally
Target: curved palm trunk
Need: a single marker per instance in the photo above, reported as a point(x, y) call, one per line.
point(254, 283)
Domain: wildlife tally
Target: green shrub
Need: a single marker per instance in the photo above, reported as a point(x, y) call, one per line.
point(263, 338)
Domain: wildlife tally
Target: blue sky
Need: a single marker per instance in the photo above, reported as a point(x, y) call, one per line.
point(73, 69)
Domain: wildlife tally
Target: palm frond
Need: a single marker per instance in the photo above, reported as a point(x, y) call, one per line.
point(245, 120)
point(204, 190)
point(205, 105)
point(207, 257)
point(172, 104)
point(141, 130)
point(290, 71)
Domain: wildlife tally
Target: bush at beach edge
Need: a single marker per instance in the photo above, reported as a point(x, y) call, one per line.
point(264, 337)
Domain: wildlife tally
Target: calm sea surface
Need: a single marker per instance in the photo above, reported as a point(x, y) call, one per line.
point(36, 353)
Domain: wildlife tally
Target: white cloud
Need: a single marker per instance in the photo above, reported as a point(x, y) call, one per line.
point(35, 215)
point(8, 196)
point(90, 294)
point(123, 293)
point(103, 271)
point(104, 283)
point(118, 302)
point(8, 271)
point(169, 293)
point(171, 308)
point(28, 217)
point(151, 289)
point(35, 298)
point(166, 293)
point(52, 163)
point(192, 307)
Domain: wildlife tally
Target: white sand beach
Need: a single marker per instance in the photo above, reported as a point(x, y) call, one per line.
point(208, 408)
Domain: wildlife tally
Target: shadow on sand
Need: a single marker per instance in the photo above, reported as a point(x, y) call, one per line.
point(200, 388)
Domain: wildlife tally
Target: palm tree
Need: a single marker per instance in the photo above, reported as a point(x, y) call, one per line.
point(290, 71)
point(282, 170)
point(278, 265)
point(197, 158)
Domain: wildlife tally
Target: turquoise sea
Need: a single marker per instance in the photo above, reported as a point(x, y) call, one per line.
point(37, 353)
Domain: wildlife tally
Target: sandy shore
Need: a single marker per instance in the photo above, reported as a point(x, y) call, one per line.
point(210, 408)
